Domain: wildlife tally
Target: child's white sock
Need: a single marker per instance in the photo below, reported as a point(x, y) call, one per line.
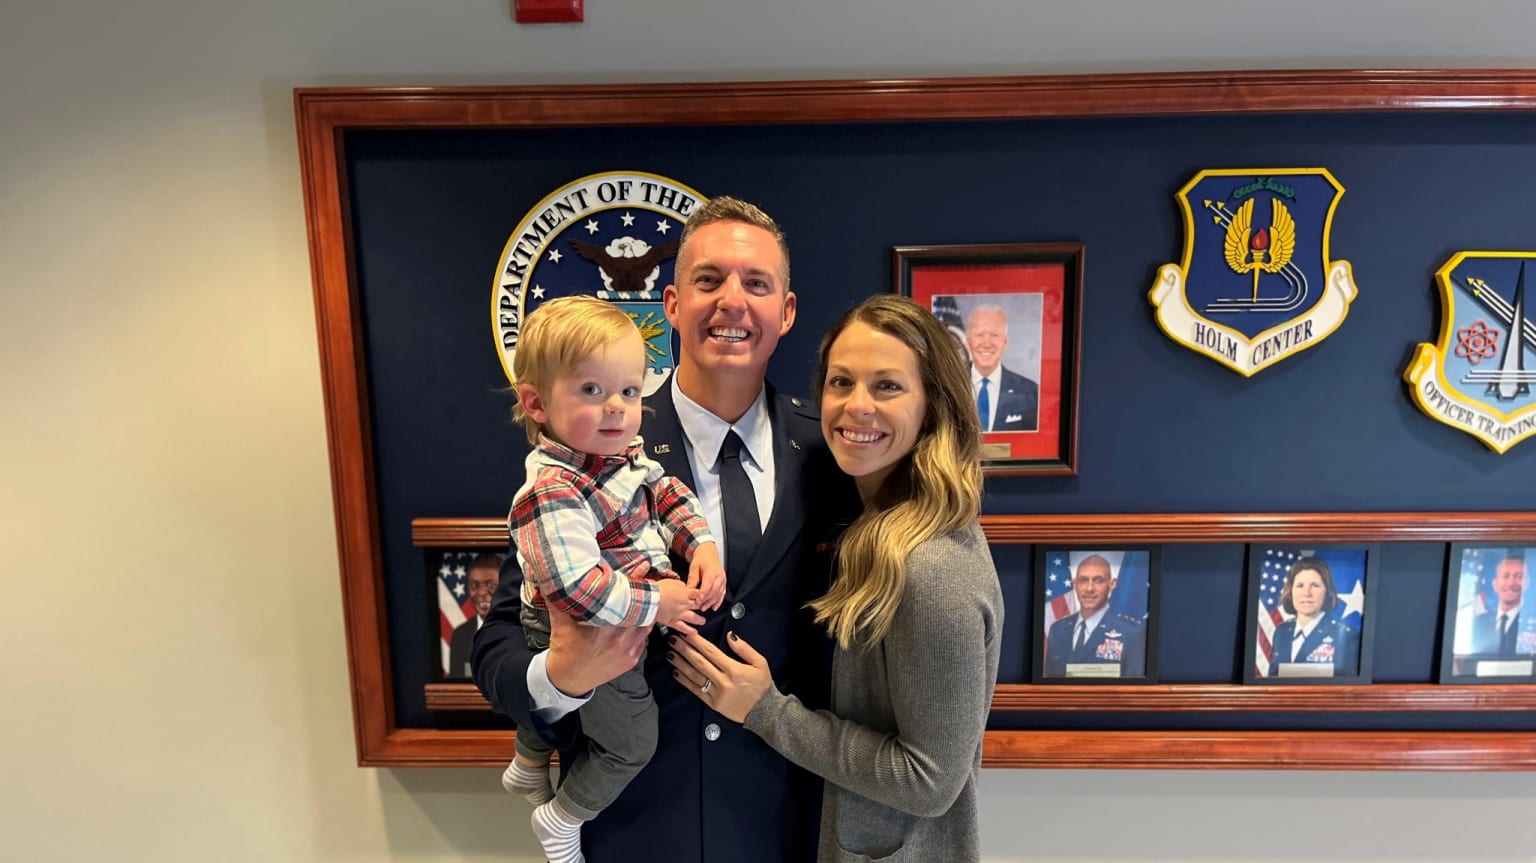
point(528, 782)
point(558, 832)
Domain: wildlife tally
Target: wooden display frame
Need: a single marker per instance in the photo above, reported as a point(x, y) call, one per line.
point(325, 115)
point(1048, 447)
point(1351, 750)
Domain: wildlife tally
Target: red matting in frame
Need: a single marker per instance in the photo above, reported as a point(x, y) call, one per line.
point(995, 283)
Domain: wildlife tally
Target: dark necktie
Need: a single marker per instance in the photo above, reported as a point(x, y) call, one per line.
point(984, 404)
point(738, 505)
point(1506, 642)
point(1082, 632)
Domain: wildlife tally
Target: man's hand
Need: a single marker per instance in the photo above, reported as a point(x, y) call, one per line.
point(582, 658)
point(707, 573)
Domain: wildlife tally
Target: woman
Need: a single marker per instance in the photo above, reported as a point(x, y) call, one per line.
point(915, 607)
point(1314, 645)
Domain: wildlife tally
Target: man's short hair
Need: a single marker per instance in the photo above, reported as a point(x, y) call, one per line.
point(484, 559)
point(559, 336)
point(724, 208)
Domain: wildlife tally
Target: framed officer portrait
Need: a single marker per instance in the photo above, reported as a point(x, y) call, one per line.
point(1013, 312)
point(1309, 617)
point(1097, 614)
point(462, 582)
point(1489, 635)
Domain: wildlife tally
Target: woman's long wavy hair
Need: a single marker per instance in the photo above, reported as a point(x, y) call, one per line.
point(934, 490)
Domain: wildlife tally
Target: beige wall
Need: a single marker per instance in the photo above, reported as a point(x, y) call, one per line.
point(174, 685)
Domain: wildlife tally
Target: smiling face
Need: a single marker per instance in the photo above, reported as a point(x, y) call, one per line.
point(1308, 593)
point(986, 335)
point(1093, 585)
point(730, 305)
point(1509, 583)
point(872, 404)
point(594, 407)
point(482, 587)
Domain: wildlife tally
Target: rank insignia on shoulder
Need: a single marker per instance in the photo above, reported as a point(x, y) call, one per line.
point(1255, 285)
point(1477, 377)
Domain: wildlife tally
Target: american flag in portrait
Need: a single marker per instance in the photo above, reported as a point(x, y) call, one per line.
point(453, 604)
point(1347, 567)
point(1060, 601)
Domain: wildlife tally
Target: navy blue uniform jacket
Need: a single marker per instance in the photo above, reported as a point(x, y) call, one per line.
point(733, 799)
point(1129, 631)
point(1487, 641)
point(1331, 634)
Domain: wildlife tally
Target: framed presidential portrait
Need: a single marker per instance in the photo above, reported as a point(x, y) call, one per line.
point(1309, 616)
point(461, 582)
point(1015, 314)
point(1096, 610)
point(1488, 636)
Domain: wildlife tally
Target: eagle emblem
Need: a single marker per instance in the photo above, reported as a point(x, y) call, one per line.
point(629, 266)
point(612, 235)
point(1255, 284)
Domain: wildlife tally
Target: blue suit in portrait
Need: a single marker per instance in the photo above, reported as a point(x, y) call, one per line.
point(1018, 403)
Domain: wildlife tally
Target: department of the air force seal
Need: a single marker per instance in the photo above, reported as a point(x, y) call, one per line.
point(1478, 377)
point(612, 235)
point(1256, 284)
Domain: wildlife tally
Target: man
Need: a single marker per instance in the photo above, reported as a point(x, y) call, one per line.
point(1005, 400)
point(484, 572)
point(713, 792)
point(1093, 635)
point(1496, 632)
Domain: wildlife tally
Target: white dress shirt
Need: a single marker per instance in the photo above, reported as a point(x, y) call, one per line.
point(1090, 624)
point(1299, 637)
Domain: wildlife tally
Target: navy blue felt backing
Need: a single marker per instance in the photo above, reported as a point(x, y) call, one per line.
point(1162, 429)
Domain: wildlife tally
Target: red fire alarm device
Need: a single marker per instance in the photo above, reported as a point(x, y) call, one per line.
point(547, 11)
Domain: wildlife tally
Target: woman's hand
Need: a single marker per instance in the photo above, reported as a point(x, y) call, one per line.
point(729, 687)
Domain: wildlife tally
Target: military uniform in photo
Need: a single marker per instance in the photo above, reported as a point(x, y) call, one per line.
point(1116, 639)
point(1329, 643)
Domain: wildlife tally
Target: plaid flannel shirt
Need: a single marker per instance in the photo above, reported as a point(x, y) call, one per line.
point(593, 532)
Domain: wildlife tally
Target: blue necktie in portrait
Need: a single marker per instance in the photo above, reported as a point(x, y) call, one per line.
point(984, 404)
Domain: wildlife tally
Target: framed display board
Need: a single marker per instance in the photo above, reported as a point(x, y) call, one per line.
point(425, 205)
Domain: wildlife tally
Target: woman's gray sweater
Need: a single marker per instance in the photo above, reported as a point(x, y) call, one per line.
point(901, 747)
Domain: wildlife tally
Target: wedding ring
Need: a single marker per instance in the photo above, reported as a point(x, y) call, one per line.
point(708, 685)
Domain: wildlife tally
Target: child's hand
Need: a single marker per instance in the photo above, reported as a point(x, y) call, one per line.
point(677, 600)
point(707, 573)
